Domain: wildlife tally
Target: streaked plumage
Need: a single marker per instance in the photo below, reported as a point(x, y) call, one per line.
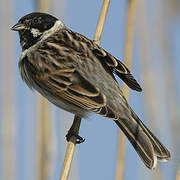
point(76, 75)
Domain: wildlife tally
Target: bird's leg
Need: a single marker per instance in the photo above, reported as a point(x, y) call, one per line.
point(74, 131)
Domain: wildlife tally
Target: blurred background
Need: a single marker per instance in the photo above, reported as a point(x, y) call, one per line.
point(32, 132)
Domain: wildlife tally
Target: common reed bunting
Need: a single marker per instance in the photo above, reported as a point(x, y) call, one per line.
point(77, 75)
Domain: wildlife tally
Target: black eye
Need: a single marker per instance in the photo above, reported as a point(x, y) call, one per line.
point(36, 21)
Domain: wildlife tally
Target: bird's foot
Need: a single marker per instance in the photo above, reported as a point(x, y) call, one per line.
point(79, 139)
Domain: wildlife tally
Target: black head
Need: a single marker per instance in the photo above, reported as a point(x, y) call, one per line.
point(32, 26)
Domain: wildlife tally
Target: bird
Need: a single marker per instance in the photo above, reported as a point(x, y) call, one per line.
point(75, 74)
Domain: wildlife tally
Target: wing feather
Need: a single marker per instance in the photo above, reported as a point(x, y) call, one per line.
point(73, 88)
point(117, 67)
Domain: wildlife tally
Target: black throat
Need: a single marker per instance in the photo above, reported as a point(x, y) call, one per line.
point(27, 39)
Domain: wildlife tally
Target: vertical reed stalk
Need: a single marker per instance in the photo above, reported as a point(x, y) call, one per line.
point(70, 150)
point(44, 137)
point(178, 173)
point(131, 14)
point(145, 63)
point(172, 11)
point(77, 121)
point(44, 127)
point(8, 125)
point(170, 75)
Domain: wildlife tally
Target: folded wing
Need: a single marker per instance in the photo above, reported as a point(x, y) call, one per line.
point(117, 67)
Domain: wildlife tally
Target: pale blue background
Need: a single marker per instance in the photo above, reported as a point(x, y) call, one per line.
point(96, 157)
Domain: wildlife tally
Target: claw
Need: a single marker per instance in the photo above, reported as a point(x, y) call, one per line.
point(79, 139)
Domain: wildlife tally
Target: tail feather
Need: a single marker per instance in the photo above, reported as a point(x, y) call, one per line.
point(140, 142)
point(160, 150)
point(145, 143)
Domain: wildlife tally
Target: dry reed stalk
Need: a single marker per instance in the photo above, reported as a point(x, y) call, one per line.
point(43, 5)
point(8, 124)
point(44, 138)
point(145, 63)
point(101, 21)
point(178, 173)
point(171, 11)
point(128, 61)
point(44, 123)
point(77, 121)
point(70, 150)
